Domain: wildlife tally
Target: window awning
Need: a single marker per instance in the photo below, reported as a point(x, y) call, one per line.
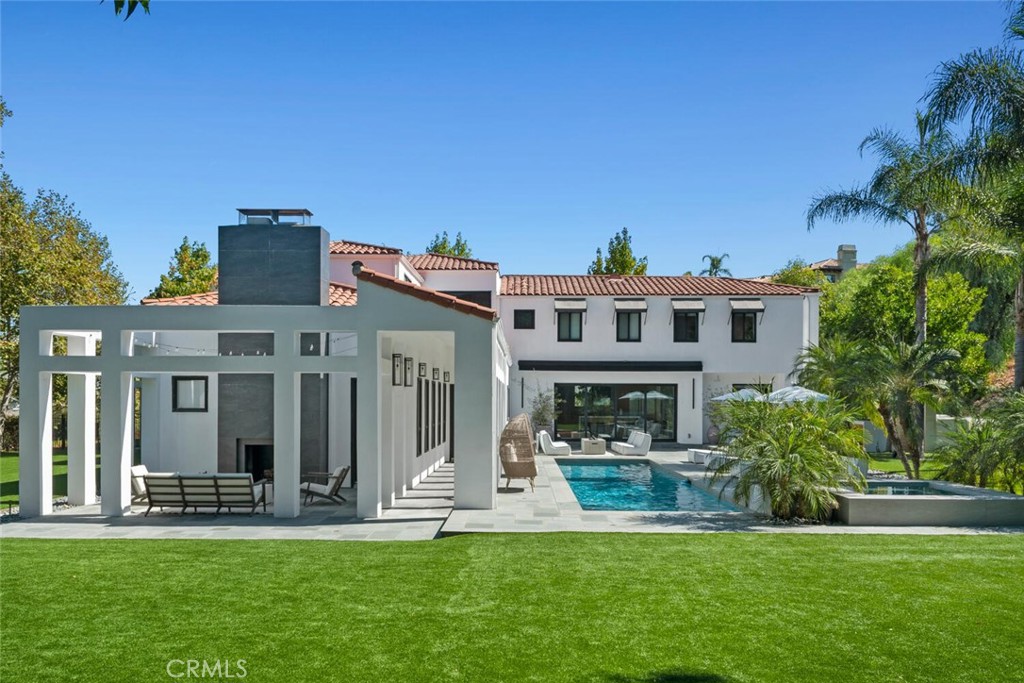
point(570, 304)
point(630, 304)
point(746, 304)
point(688, 305)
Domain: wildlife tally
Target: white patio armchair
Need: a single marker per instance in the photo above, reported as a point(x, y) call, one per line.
point(549, 447)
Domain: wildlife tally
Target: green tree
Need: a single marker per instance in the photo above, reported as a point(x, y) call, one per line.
point(798, 272)
point(131, 5)
point(716, 266)
point(49, 255)
point(620, 260)
point(441, 244)
point(916, 184)
point(190, 272)
point(973, 454)
point(795, 455)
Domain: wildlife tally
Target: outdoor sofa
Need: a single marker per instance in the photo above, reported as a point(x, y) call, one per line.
point(549, 447)
point(219, 491)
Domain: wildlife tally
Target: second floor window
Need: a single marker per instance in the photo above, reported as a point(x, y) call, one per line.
point(744, 326)
point(685, 327)
point(523, 319)
point(570, 326)
point(628, 324)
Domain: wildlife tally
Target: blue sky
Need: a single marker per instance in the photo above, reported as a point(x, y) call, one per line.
point(537, 130)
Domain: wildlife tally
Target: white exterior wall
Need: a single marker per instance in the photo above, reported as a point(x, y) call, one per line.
point(341, 266)
point(788, 324)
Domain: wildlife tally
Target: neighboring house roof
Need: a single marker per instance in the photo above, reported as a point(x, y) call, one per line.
point(361, 248)
point(427, 294)
point(339, 295)
point(641, 285)
point(445, 262)
point(827, 264)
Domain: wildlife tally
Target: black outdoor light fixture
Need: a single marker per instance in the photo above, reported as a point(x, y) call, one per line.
point(397, 367)
point(423, 369)
point(447, 377)
point(409, 364)
point(437, 374)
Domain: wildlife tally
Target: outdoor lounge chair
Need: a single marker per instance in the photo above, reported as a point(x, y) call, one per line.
point(328, 491)
point(516, 451)
point(549, 447)
point(638, 443)
point(139, 473)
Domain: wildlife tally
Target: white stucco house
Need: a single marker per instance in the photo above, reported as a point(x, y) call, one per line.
point(315, 354)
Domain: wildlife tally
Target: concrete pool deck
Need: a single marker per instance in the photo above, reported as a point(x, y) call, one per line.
point(553, 507)
point(426, 513)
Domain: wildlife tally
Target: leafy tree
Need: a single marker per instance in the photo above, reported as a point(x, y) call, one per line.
point(973, 454)
point(49, 255)
point(916, 184)
point(441, 244)
point(795, 455)
point(716, 266)
point(620, 260)
point(190, 272)
point(131, 5)
point(798, 272)
point(877, 302)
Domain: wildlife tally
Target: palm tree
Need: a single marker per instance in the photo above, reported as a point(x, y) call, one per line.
point(916, 184)
point(987, 87)
point(992, 242)
point(716, 267)
point(795, 455)
point(886, 383)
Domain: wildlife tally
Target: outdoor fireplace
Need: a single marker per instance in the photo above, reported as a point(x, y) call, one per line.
point(256, 456)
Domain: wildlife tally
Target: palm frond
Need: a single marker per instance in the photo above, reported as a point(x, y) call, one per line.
point(846, 205)
point(986, 86)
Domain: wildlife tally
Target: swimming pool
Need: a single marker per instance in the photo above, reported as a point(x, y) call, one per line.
point(637, 486)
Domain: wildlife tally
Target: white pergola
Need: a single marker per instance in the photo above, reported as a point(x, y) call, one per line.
point(380, 314)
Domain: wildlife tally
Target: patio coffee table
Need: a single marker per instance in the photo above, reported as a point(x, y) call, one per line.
point(593, 446)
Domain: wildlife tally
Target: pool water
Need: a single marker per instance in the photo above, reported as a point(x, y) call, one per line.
point(904, 488)
point(637, 486)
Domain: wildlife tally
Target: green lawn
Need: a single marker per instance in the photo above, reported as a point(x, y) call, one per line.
point(887, 463)
point(552, 607)
point(9, 475)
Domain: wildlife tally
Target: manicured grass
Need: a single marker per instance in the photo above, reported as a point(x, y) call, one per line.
point(886, 463)
point(9, 475)
point(545, 607)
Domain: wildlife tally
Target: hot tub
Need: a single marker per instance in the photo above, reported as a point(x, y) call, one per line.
point(895, 502)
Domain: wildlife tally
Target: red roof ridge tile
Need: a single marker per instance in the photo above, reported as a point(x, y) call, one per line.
point(337, 247)
point(427, 294)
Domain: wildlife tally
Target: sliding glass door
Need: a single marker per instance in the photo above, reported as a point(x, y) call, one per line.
point(611, 411)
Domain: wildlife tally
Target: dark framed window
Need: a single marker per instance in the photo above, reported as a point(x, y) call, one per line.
point(570, 326)
point(190, 394)
point(627, 326)
point(686, 326)
point(419, 417)
point(744, 326)
point(524, 319)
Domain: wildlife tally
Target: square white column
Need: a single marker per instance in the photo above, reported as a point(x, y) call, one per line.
point(35, 444)
point(476, 458)
point(115, 441)
point(368, 453)
point(82, 427)
point(287, 501)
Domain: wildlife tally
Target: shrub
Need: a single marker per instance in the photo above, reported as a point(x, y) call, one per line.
point(796, 455)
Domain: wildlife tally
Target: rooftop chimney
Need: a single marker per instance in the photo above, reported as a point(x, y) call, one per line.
point(846, 255)
point(271, 260)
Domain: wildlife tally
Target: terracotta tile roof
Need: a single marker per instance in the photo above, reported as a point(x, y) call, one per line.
point(444, 262)
point(641, 285)
point(427, 294)
point(349, 247)
point(339, 295)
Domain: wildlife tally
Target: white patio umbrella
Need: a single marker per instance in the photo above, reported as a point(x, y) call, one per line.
point(632, 396)
point(657, 395)
point(795, 394)
point(747, 394)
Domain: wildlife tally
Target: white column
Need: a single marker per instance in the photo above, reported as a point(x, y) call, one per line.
point(475, 455)
point(35, 444)
point(115, 438)
point(82, 426)
point(387, 438)
point(150, 418)
point(368, 498)
point(287, 390)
